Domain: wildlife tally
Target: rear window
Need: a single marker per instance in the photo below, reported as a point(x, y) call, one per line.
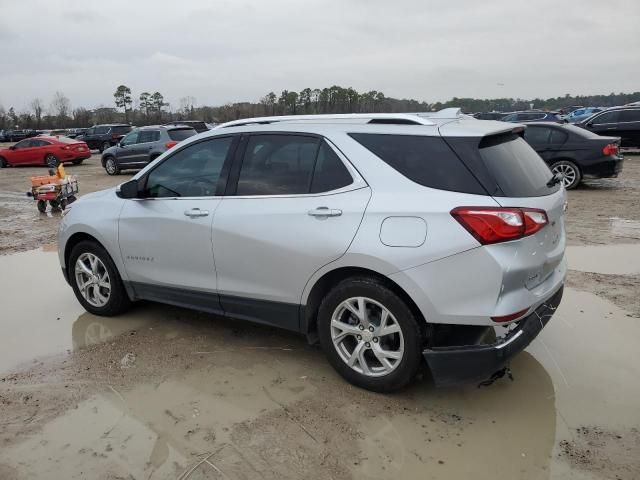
point(66, 140)
point(516, 168)
point(427, 161)
point(180, 134)
point(121, 130)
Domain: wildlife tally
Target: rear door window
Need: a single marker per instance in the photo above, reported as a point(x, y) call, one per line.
point(121, 130)
point(147, 136)
point(427, 161)
point(630, 116)
point(102, 130)
point(277, 165)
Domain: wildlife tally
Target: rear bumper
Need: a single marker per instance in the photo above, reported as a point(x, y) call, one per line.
point(455, 365)
point(605, 168)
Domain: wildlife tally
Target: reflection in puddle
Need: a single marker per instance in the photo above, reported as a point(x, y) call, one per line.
point(607, 259)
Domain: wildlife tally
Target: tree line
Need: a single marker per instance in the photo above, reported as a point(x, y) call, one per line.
point(148, 108)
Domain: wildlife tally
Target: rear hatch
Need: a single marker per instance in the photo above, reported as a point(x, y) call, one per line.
point(515, 176)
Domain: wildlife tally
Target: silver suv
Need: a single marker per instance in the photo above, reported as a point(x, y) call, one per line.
point(390, 238)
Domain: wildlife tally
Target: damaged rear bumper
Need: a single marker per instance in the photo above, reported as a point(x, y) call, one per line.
point(455, 365)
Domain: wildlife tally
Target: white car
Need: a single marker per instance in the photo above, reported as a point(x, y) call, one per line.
point(390, 238)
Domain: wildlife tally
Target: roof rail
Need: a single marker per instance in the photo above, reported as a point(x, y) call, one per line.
point(445, 113)
point(393, 118)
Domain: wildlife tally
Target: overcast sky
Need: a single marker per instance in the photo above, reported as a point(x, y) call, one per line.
point(233, 50)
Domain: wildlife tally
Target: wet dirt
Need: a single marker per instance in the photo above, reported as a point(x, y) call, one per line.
point(165, 393)
point(226, 399)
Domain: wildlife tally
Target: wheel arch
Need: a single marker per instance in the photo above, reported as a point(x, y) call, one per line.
point(75, 239)
point(322, 286)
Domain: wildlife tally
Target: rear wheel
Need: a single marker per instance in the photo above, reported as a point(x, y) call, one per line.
point(370, 335)
point(96, 281)
point(51, 160)
point(111, 166)
point(3, 163)
point(54, 204)
point(568, 172)
point(42, 206)
point(104, 146)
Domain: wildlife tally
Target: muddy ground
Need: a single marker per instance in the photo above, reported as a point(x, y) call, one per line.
point(166, 393)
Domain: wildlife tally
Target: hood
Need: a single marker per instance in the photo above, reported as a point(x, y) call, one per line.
point(99, 194)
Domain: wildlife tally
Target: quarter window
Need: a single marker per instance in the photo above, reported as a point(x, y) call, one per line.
point(558, 137)
point(329, 172)
point(193, 171)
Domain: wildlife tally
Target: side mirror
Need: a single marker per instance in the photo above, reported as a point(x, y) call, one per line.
point(129, 189)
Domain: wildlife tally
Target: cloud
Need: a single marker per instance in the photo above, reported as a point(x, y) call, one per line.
point(232, 50)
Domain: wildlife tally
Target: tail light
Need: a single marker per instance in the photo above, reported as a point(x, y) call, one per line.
point(496, 224)
point(610, 149)
point(170, 144)
point(66, 147)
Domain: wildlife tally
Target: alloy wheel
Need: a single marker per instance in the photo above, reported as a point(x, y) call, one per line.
point(110, 165)
point(367, 337)
point(92, 279)
point(566, 173)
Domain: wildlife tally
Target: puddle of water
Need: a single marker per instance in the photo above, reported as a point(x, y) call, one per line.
point(40, 315)
point(262, 412)
point(606, 259)
point(622, 227)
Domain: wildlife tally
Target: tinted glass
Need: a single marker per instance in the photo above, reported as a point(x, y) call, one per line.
point(121, 130)
point(630, 116)
point(510, 118)
point(130, 139)
point(181, 134)
point(558, 137)
point(146, 136)
point(41, 143)
point(193, 171)
point(67, 140)
point(23, 144)
point(277, 165)
point(329, 173)
point(425, 160)
point(101, 130)
point(537, 135)
point(516, 168)
point(607, 117)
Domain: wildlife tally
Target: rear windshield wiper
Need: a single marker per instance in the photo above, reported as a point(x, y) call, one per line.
point(554, 180)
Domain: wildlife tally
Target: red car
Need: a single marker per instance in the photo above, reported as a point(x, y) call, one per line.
point(49, 151)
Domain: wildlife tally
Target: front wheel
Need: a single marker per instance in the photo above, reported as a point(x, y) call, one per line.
point(3, 163)
point(96, 281)
point(568, 172)
point(42, 206)
point(370, 335)
point(111, 166)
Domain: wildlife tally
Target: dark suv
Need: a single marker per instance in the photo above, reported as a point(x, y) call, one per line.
point(143, 145)
point(15, 135)
point(101, 137)
point(198, 125)
point(623, 122)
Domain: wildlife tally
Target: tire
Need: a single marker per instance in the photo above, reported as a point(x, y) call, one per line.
point(340, 344)
point(51, 160)
point(63, 204)
point(104, 146)
point(569, 173)
point(111, 166)
point(77, 162)
point(55, 205)
point(42, 206)
point(107, 301)
point(3, 163)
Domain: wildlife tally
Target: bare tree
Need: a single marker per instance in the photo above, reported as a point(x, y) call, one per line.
point(60, 107)
point(37, 106)
point(187, 105)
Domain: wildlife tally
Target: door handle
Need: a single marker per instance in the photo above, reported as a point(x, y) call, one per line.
point(325, 212)
point(196, 212)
